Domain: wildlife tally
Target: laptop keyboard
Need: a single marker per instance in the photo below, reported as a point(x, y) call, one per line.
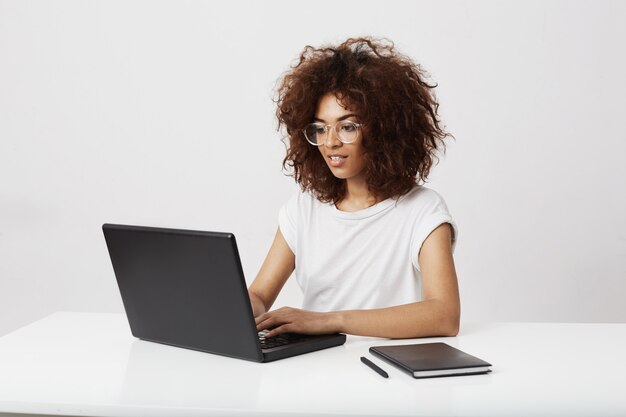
point(280, 340)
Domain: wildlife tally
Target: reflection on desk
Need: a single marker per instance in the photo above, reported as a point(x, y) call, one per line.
point(89, 364)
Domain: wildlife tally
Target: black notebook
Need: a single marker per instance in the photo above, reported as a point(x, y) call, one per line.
point(428, 360)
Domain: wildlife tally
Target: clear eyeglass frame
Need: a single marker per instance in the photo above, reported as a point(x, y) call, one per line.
point(341, 128)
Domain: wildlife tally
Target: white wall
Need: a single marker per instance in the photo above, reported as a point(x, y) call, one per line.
point(160, 113)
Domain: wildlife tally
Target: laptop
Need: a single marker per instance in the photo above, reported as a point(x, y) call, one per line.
point(186, 288)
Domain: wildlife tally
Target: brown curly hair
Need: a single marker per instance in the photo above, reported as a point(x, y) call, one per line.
point(388, 92)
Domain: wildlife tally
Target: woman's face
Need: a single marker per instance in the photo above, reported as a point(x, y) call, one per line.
point(346, 161)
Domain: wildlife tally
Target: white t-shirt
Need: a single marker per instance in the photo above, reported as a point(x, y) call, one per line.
point(364, 259)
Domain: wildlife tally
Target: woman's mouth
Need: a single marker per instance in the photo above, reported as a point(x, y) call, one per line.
point(337, 160)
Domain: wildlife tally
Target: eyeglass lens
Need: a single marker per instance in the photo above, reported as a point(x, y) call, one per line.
point(317, 133)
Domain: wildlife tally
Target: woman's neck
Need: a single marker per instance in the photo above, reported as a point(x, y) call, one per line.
point(357, 197)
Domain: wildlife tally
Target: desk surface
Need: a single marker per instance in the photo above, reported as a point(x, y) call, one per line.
point(89, 364)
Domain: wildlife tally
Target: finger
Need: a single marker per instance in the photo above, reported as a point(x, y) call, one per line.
point(261, 317)
point(268, 323)
point(268, 314)
point(261, 326)
point(285, 328)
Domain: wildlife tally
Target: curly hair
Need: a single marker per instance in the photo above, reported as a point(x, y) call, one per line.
point(388, 92)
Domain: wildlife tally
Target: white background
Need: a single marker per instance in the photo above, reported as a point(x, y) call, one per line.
point(160, 113)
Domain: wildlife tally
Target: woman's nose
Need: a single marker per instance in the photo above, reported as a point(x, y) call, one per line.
point(332, 140)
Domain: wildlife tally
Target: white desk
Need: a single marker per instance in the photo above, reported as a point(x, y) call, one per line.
point(89, 364)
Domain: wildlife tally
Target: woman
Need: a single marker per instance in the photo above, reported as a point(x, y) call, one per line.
point(371, 248)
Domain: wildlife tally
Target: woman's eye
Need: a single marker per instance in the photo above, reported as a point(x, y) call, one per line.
point(320, 130)
point(348, 128)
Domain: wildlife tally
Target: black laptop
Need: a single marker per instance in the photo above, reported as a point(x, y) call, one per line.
point(186, 288)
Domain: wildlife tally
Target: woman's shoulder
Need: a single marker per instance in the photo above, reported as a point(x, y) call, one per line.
point(421, 196)
point(301, 199)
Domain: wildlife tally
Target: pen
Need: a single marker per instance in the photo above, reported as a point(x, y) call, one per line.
point(374, 367)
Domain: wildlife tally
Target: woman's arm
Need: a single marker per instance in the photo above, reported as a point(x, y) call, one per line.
point(437, 315)
point(276, 269)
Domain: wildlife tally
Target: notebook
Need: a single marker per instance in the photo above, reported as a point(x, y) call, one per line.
point(186, 288)
point(427, 360)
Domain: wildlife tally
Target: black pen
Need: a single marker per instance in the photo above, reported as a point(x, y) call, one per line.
point(374, 367)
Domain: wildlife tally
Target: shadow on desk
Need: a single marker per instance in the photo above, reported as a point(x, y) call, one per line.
point(26, 415)
point(180, 377)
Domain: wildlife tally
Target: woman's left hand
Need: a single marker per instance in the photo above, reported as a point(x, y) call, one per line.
point(294, 320)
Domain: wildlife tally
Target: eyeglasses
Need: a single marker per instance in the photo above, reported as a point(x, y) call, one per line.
point(317, 133)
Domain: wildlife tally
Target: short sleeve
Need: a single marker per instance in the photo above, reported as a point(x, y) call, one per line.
point(287, 221)
point(434, 213)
